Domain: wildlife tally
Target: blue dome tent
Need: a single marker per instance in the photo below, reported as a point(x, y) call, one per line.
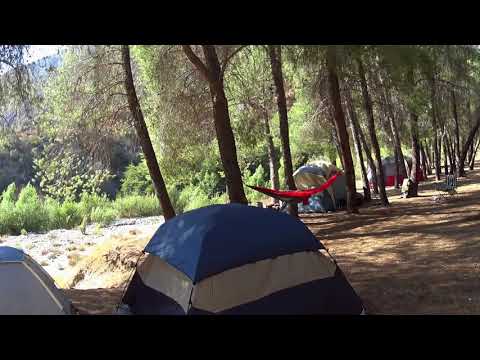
point(237, 259)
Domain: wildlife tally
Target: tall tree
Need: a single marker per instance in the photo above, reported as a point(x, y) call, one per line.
point(358, 145)
point(144, 137)
point(213, 73)
point(460, 171)
point(275, 53)
point(371, 130)
point(339, 117)
point(370, 161)
point(415, 148)
point(436, 151)
point(391, 128)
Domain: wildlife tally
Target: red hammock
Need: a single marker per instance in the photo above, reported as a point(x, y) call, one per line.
point(295, 195)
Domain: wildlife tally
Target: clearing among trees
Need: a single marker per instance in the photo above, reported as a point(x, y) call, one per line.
point(417, 257)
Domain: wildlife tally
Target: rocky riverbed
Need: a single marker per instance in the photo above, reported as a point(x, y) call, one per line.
point(57, 251)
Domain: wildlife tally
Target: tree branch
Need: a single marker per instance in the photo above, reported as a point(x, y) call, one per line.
point(195, 60)
point(226, 61)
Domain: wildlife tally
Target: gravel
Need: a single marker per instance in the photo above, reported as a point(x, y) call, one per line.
point(53, 250)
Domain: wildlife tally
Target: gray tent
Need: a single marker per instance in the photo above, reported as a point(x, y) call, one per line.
point(313, 175)
point(390, 171)
point(27, 289)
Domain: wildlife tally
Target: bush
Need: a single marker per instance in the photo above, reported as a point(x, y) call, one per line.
point(30, 211)
point(174, 194)
point(257, 179)
point(136, 180)
point(66, 215)
point(103, 215)
point(137, 206)
point(193, 197)
point(9, 195)
point(9, 223)
point(88, 202)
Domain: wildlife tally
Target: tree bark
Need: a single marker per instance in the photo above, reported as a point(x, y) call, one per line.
point(428, 158)
point(334, 92)
point(336, 142)
point(445, 154)
point(472, 160)
point(358, 145)
point(459, 169)
point(435, 131)
point(213, 73)
point(367, 101)
point(396, 135)
point(385, 122)
point(144, 138)
point(415, 152)
point(370, 162)
point(275, 54)
point(423, 160)
point(450, 154)
point(470, 138)
point(272, 155)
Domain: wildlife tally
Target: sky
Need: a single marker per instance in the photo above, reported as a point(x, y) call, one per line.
point(37, 52)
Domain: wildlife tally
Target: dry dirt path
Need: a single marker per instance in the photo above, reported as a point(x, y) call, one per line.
point(416, 257)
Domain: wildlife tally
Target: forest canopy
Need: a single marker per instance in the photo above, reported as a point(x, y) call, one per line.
point(203, 121)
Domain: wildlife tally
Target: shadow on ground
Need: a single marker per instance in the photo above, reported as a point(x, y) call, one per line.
point(418, 256)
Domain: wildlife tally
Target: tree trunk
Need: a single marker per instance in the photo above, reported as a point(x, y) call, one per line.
point(213, 73)
point(385, 122)
point(372, 132)
point(370, 162)
point(450, 153)
point(275, 53)
point(470, 153)
point(439, 142)
point(272, 155)
point(472, 161)
point(335, 100)
point(396, 134)
point(459, 169)
point(336, 142)
point(470, 138)
point(415, 152)
point(445, 154)
point(435, 131)
point(144, 138)
point(358, 146)
point(423, 160)
point(428, 159)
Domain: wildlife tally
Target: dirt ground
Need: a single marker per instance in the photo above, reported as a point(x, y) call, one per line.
point(418, 256)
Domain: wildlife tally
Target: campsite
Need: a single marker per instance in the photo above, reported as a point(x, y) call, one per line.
point(239, 179)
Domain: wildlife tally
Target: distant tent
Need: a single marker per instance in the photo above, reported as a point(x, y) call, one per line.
point(315, 174)
point(238, 259)
point(27, 289)
point(390, 171)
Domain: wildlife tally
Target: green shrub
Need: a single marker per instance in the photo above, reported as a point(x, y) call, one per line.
point(103, 215)
point(9, 195)
point(136, 180)
point(257, 179)
point(174, 194)
point(66, 215)
point(88, 202)
point(137, 206)
point(193, 197)
point(30, 211)
point(9, 221)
